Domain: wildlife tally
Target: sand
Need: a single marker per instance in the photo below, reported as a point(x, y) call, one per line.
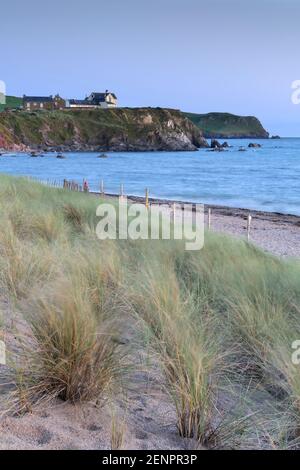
point(276, 233)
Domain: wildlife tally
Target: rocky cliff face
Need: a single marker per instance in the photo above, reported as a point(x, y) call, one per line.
point(121, 129)
point(228, 126)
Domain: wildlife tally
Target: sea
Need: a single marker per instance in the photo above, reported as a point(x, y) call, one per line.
point(266, 178)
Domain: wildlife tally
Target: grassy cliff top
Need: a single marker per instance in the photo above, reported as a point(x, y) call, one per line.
point(11, 102)
point(110, 128)
point(226, 125)
point(213, 125)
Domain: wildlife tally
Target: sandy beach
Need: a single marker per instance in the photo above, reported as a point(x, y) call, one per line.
point(276, 233)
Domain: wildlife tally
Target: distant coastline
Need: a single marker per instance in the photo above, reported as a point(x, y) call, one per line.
point(228, 126)
point(118, 129)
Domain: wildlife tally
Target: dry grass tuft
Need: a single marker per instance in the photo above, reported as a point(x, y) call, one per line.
point(190, 355)
point(70, 354)
point(21, 264)
point(74, 217)
point(118, 431)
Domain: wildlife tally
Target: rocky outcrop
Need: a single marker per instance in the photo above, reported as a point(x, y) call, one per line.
point(121, 129)
point(254, 145)
point(215, 144)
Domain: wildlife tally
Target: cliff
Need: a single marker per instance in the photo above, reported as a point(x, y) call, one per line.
point(120, 129)
point(228, 126)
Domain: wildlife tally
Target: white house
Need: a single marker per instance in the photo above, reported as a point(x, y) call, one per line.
point(94, 100)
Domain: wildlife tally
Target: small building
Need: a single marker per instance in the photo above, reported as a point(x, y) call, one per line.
point(58, 102)
point(94, 100)
point(104, 100)
point(31, 103)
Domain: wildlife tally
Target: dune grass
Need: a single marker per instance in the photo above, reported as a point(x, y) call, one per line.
point(220, 322)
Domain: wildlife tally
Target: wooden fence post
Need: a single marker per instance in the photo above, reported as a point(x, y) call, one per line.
point(147, 198)
point(248, 226)
point(174, 212)
point(102, 188)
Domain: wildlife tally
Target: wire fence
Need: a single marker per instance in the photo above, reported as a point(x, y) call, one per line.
point(72, 185)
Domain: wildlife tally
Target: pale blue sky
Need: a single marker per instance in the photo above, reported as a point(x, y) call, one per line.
point(238, 56)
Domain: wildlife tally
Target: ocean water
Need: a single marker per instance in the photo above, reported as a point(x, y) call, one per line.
point(265, 179)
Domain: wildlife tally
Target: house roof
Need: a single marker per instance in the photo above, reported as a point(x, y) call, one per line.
point(98, 96)
point(101, 96)
point(38, 99)
point(86, 102)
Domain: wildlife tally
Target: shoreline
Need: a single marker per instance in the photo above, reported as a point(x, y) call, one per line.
point(217, 209)
point(273, 232)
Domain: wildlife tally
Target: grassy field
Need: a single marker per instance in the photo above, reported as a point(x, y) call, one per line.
point(219, 323)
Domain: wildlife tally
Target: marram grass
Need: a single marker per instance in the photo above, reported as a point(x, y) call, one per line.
point(219, 322)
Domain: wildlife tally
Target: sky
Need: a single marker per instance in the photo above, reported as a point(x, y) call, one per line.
point(237, 56)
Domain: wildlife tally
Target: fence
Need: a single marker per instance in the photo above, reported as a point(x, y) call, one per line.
point(75, 186)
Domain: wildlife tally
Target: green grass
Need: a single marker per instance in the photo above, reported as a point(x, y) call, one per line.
point(218, 323)
point(11, 102)
point(226, 125)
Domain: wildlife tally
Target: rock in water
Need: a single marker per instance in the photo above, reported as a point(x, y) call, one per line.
point(215, 144)
point(36, 154)
point(251, 145)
